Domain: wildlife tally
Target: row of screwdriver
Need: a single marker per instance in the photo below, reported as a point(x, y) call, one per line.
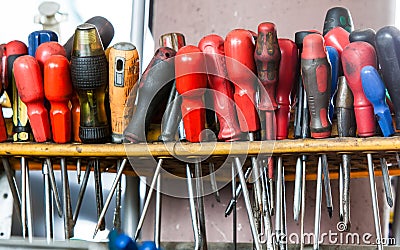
point(249, 73)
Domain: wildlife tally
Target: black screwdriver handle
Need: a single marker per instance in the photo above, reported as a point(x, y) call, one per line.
point(363, 35)
point(338, 17)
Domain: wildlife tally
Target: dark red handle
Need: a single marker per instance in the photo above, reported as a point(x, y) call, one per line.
point(28, 79)
point(355, 56)
point(239, 53)
point(58, 90)
point(267, 56)
point(191, 83)
point(316, 72)
point(337, 38)
point(287, 77)
point(213, 49)
point(14, 47)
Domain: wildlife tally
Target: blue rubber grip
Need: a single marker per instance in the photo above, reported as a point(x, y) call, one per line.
point(120, 241)
point(38, 37)
point(375, 92)
point(333, 57)
point(148, 245)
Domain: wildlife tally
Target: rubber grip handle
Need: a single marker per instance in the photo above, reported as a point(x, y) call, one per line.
point(191, 84)
point(334, 60)
point(239, 53)
point(287, 77)
point(316, 72)
point(374, 90)
point(45, 50)
point(104, 28)
point(222, 90)
point(58, 90)
point(346, 120)
point(267, 56)
point(363, 35)
point(337, 38)
point(123, 75)
point(338, 17)
point(355, 56)
point(38, 37)
point(29, 81)
point(388, 50)
point(153, 87)
point(14, 47)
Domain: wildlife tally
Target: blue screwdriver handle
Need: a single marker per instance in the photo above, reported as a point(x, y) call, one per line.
point(38, 37)
point(333, 57)
point(374, 90)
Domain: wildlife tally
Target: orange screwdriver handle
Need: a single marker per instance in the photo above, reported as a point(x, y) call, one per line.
point(58, 90)
point(355, 56)
point(267, 56)
point(213, 49)
point(47, 49)
point(287, 77)
point(29, 83)
point(191, 84)
point(239, 53)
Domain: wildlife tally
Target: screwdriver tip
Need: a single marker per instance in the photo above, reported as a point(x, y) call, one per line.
point(95, 232)
point(330, 210)
point(390, 202)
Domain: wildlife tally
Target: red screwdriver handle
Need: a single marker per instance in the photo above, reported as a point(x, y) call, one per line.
point(14, 47)
point(337, 38)
point(191, 84)
point(29, 83)
point(267, 56)
point(287, 77)
point(47, 49)
point(316, 72)
point(213, 49)
point(239, 53)
point(355, 56)
point(58, 90)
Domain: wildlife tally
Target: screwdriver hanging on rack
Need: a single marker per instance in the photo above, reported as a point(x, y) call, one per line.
point(355, 56)
point(239, 53)
point(89, 77)
point(316, 73)
point(222, 92)
point(191, 83)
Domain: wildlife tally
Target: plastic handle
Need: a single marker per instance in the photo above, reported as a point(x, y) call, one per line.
point(29, 83)
point(191, 84)
point(76, 117)
point(239, 53)
point(355, 56)
point(388, 50)
point(267, 56)
point(123, 75)
point(45, 50)
point(287, 77)
point(363, 35)
point(333, 57)
point(213, 48)
point(14, 47)
point(338, 17)
point(346, 120)
point(374, 90)
point(152, 89)
point(172, 114)
point(337, 38)
point(316, 72)
point(58, 90)
point(38, 37)
point(103, 26)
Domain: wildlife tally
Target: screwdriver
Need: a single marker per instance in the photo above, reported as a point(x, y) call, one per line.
point(90, 82)
point(316, 73)
point(38, 37)
point(346, 126)
point(267, 57)
point(374, 90)
point(213, 48)
point(287, 77)
point(191, 83)
point(239, 52)
point(334, 60)
point(338, 17)
point(151, 90)
point(355, 56)
point(123, 75)
point(58, 89)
